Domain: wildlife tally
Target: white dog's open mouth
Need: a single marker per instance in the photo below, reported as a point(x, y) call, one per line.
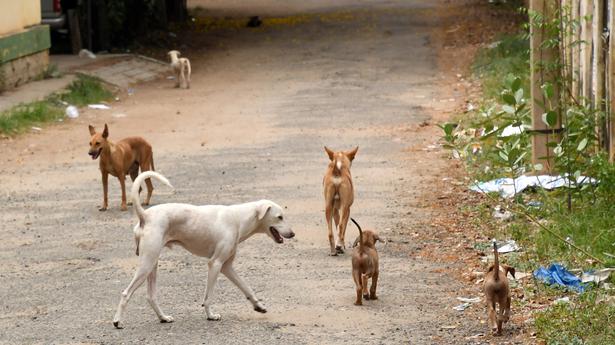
point(276, 235)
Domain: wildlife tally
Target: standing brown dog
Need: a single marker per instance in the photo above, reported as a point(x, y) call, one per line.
point(121, 159)
point(365, 264)
point(497, 291)
point(339, 195)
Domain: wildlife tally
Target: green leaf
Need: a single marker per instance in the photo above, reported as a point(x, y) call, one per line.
point(508, 109)
point(509, 99)
point(516, 84)
point(582, 145)
point(519, 95)
point(503, 155)
point(550, 118)
point(547, 90)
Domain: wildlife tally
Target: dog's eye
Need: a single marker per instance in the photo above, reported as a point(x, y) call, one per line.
point(280, 218)
point(98, 143)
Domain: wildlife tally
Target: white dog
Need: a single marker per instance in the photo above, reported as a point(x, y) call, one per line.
point(182, 68)
point(212, 231)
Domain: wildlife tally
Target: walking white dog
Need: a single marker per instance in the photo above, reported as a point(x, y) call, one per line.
point(182, 69)
point(212, 231)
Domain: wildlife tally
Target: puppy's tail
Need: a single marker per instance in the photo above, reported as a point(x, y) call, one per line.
point(360, 234)
point(134, 192)
point(496, 263)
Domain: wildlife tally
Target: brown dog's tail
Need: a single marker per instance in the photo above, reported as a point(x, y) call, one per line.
point(360, 234)
point(496, 263)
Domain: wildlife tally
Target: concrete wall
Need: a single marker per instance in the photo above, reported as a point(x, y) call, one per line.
point(15, 15)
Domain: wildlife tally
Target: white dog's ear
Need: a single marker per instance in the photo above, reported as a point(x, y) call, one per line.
point(262, 211)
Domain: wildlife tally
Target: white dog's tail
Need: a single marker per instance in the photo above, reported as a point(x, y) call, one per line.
point(134, 192)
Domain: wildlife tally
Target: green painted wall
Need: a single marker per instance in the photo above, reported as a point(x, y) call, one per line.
point(33, 40)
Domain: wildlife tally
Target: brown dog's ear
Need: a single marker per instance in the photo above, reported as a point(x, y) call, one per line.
point(351, 154)
point(105, 133)
point(92, 129)
point(262, 211)
point(330, 153)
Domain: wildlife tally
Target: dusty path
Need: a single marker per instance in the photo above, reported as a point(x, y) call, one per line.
point(263, 104)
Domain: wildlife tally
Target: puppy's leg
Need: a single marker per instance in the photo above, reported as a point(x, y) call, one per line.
point(151, 296)
point(372, 289)
point(356, 276)
point(182, 75)
point(212, 276)
point(507, 309)
point(105, 183)
point(364, 286)
point(148, 258)
point(189, 71)
point(340, 246)
point(229, 272)
point(328, 216)
point(491, 314)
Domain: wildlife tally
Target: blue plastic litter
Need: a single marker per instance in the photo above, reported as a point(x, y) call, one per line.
point(558, 275)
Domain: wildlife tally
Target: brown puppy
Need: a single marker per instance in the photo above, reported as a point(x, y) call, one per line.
point(121, 159)
point(497, 291)
point(339, 195)
point(365, 264)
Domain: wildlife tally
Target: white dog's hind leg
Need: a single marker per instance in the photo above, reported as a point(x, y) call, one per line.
point(229, 272)
point(140, 276)
point(151, 296)
point(212, 276)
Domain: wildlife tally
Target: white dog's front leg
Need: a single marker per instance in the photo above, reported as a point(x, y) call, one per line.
point(212, 276)
point(229, 272)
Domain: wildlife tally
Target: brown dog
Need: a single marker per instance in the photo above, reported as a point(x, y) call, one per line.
point(121, 159)
point(365, 264)
point(497, 291)
point(339, 195)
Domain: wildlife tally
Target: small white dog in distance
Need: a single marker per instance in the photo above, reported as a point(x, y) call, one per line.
point(211, 231)
point(182, 69)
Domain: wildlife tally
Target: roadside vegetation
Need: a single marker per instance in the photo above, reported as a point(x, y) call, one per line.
point(82, 91)
point(573, 226)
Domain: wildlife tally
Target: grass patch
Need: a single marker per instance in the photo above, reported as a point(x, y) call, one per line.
point(508, 55)
point(588, 319)
point(84, 90)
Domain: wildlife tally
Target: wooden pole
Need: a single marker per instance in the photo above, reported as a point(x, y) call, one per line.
point(586, 49)
point(598, 69)
point(540, 57)
point(611, 84)
point(576, 52)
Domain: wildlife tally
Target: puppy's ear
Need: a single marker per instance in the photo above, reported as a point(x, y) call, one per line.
point(377, 238)
point(262, 211)
point(352, 153)
point(105, 133)
point(509, 269)
point(356, 241)
point(330, 153)
point(92, 129)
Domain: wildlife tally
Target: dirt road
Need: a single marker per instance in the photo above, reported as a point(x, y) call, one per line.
point(262, 105)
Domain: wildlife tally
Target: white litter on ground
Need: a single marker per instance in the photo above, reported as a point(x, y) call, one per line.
point(72, 112)
point(508, 187)
point(99, 106)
